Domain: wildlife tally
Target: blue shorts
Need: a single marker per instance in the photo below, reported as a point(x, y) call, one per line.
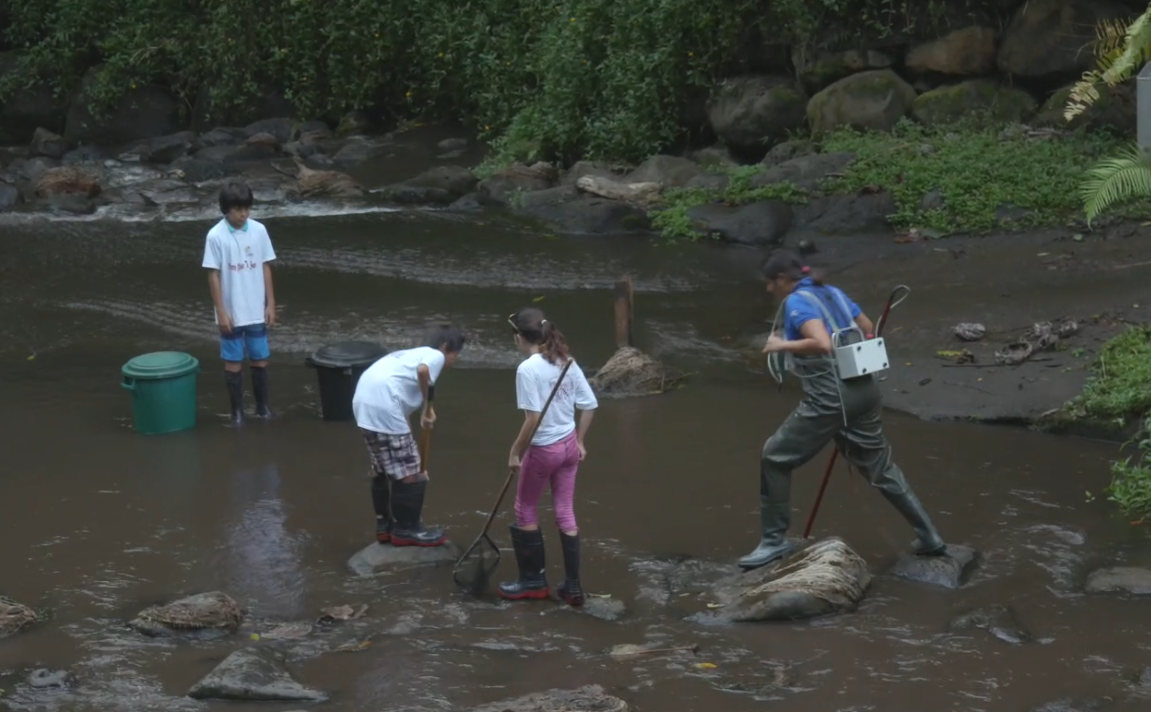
point(252, 339)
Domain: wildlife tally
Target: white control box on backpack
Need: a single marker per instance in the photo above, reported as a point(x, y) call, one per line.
point(861, 359)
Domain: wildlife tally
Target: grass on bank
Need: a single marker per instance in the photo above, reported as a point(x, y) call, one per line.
point(975, 169)
point(1119, 392)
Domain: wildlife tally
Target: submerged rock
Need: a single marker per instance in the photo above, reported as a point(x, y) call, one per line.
point(823, 578)
point(999, 621)
point(213, 613)
point(253, 674)
point(14, 617)
point(1073, 705)
point(1120, 579)
point(376, 558)
point(631, 372)
point(948, 571)
point(44, 679)
point(591, 698)
point(765, 223)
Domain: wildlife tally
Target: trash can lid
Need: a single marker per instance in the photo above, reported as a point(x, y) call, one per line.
point(161, 364)
point(347, 354)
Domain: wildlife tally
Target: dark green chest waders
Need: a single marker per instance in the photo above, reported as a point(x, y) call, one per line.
point(848, 412)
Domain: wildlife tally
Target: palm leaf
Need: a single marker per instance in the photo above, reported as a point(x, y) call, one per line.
point(1121, 50)
point(1118, 179)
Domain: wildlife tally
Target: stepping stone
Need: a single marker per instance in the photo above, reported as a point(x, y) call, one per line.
point(948, 571)
point(377, 558)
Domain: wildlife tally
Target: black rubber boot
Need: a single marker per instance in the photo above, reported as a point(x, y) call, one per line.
point(532, 583)
point(382, 503)
point(927, 542)
point(407, 506)
point(260, 391)
point(774, 517)
point(570, 590)
point(235, 383)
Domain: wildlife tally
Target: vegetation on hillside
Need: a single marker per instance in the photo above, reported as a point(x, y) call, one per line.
point(542, 79)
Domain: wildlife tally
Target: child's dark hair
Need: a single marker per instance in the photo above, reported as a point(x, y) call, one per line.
point(533, 328)
point(235, 195)
point(447, 337)
point(783, 263)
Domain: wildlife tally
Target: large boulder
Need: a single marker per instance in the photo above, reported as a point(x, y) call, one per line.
point(30, 108)
point(748, 114)
point(590, 698)
point(823, 578)
point(873, 100)
point(47, 144)
point(14, 617)
point(1114, 109)
point(144, 111)
point(518, 179)
point(986, 97)
point(970, 52)
point(1052, 38)
point(761, 224)
point(454, 181)
point(807, 172)
point(204, 614)
point(817, 68)
point(313, 184)
point(846, 214)
point(668, 171)
point(67, 180)
point(256, 675)
point(573, 211)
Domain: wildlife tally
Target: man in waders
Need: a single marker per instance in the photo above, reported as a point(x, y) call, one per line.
point(847, 411)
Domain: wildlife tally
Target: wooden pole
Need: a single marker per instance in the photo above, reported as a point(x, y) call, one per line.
point(624, 312)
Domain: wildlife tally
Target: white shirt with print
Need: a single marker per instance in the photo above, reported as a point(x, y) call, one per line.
point(389, 391)
point(240, 255)
point(535, 379)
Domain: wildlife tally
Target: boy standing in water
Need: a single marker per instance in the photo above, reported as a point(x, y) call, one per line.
point(388, 392)
point(238, 254)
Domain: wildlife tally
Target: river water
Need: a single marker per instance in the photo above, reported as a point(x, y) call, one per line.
point(97, 522)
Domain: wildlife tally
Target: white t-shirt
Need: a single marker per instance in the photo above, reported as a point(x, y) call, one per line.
point(389, 391)
point(535, 379)
point(240, 255)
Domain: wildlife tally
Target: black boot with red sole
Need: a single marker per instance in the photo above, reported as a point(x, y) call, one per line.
point(532, 583)
point(407, 506)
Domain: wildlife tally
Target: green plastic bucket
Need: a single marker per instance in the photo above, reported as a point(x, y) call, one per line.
point(163, 387)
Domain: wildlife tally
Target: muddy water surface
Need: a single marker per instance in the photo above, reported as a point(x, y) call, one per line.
point(97, 522)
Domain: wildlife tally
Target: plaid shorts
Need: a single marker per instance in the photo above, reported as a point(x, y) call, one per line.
point(393, 455)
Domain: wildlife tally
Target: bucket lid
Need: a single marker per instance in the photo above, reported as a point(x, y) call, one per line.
point(161, 364)
point(346, 354)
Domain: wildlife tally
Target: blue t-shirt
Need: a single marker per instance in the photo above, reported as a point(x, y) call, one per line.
point(798, 309)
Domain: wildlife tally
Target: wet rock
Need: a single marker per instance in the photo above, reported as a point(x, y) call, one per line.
point(580, 169)
point(417, 195)
point(1074, 705)
point(970, 51)
point(667, 171)
point(631, 372)
point(69, 180)
point(1120, 579)
point(358, 151)
point(1114, 109)
point(748, 114)
point(710, 181)
point(456, 181)
point(606, 609)
point(714, 157)
point(999, 621)
point(354, 124)
point(817, 69)
point(46, 143)
point(1048, 37)
point(474, 201)
point(453, 144)
point(591, 698)
point(841, 214)
point(10, 197)
point(283, 130)
point(518, 179)
point(71, 204)
point(204, 613)
point(167, 191)
point(166, 149)
point(573, 212)
point(806, 172)
point(873, 100)
point(45, 679)
point(764, 223)
point(14, 617)
point(824, 578)
point(312, 184)
point(32, 170)
point(84, 155)
point(970, 331)
point(146, 111)
point(221, 137)
point(984, 97)
point(376, 558)
point(788, 151)
point(253, 674)
point(199, 170)
point(948, 571)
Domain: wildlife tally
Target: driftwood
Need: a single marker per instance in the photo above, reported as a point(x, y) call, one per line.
point(631, 372)
point(618, 190)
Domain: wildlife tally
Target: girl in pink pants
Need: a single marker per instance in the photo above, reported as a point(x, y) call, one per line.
point(551, 458)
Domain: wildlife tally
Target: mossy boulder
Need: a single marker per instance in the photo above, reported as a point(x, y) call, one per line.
point(1115, 109)
point(985, 97)
point(817, 69)
point(750, 113)
point(873, 100)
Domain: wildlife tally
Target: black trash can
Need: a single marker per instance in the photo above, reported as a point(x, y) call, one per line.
point(338, 368)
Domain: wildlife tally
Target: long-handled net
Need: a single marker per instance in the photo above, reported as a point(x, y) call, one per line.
point(473, 570)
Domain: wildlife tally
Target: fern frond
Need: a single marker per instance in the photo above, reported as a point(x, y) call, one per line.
point(1121, 50)
point(1117, 179)
point(1083, 94)
point(1110, 36)
point(1136, 50)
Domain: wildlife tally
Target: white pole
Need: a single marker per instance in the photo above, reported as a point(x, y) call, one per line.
point(1143, 106)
